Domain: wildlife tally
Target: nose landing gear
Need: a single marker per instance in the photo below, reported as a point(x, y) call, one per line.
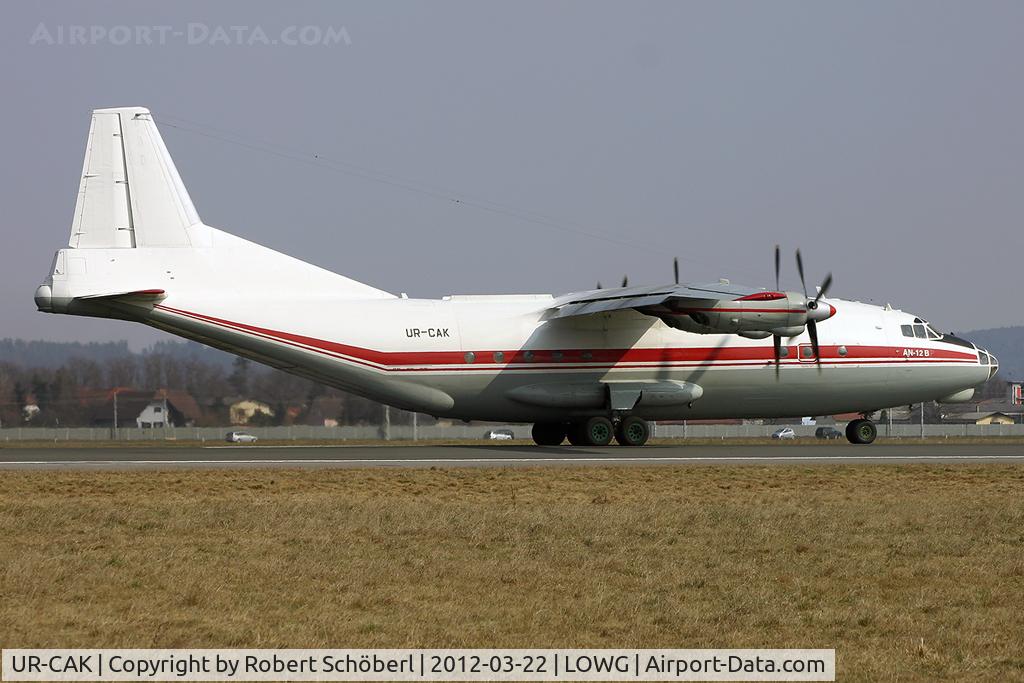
point(861, 431)
point(595, 431)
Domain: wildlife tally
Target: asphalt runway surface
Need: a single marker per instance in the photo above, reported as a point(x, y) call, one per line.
point(484, 455)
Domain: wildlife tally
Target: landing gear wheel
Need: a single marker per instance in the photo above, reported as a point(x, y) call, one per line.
point(632, 431)
point(548, 433)
point(576, 435)
point(598, 431)
point(861, 431)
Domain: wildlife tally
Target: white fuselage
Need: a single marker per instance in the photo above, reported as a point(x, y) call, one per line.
point(462, 357)
point(465, 356)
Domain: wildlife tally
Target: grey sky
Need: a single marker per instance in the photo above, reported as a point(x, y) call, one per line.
point(884, 139)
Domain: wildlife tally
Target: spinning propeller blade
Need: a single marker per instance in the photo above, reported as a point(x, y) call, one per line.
point(776, 267)
point(824, 287)
point(800, 269)
point(811, 304)
point(777, 343)
point(812, 331)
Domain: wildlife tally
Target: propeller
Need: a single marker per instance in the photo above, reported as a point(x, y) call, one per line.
point(826, 283)
point(776, 339)
point(675, 268)
point(777, 343)
point(625, 282)
point(800, 269)
point(776, 267)
point(812, 305)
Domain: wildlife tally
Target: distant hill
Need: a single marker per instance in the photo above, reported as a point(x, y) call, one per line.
point(51, 355)
point(1007, 343)
point(47, 354)
point(191, 349)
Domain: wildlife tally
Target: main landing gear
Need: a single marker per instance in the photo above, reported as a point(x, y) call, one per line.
point(594, 431)
point(861, 431)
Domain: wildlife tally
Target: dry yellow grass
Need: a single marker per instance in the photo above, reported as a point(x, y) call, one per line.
point(910, 572)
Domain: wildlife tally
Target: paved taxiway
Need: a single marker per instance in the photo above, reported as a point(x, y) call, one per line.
point(498, 455)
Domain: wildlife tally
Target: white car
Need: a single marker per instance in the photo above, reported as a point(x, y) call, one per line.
point(784, 433)
point(500, 435)
point(241, 437)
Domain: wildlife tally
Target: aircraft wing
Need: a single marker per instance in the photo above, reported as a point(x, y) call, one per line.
point(646, 297)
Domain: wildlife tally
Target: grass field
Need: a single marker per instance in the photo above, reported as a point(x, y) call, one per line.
point(910, 572)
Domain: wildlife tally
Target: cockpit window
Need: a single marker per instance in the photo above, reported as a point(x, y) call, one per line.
point(920, 330)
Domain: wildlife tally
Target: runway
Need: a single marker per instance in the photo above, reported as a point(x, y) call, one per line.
point(494, 455)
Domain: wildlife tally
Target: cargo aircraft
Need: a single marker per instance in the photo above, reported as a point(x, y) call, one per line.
point(589, 367)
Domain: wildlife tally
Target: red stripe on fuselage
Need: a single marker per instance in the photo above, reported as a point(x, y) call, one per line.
point(717, 309)
point(583, 359)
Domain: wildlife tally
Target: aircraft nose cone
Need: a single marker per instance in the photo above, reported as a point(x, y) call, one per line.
point(988, 360)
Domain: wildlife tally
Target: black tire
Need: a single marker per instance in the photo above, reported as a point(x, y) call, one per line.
point(598, 431)
point(632, 431)
point(861, 432)
point(548, 433)
point(851, 428)
point(575, 434)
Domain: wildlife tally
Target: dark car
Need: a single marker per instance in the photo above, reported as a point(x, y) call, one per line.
point(827, 433)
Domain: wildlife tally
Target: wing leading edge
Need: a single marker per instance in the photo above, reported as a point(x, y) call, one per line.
point(717, 308)
point(647, 299)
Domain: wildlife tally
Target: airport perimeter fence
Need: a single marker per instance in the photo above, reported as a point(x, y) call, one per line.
point(467, 432)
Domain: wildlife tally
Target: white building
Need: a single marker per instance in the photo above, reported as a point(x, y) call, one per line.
point(169, 408)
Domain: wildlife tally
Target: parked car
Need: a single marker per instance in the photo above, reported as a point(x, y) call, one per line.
point(827, 433)
point(499, 435)
point(241, 437)
point(784, 433)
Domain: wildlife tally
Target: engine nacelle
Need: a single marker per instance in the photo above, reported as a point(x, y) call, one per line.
point(755, 316)
point(761, 312)
point(788, 331)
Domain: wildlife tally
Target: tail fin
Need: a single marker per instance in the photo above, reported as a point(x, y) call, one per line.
point(131, 194)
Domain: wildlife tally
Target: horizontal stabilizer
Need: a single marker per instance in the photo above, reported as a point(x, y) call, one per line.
point(140, 295)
